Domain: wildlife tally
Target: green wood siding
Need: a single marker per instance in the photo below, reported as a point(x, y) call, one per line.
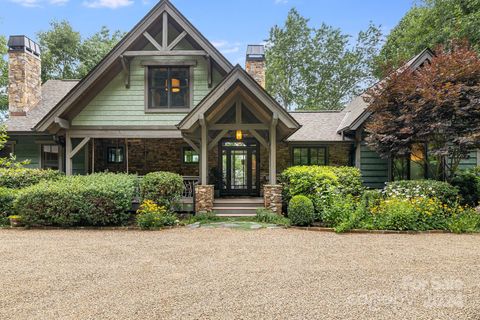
point(374, 169)
point(470, 162)
point(28, 148)
point(116, 105)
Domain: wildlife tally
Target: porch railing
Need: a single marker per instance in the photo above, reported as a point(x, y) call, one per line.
point(189, 183)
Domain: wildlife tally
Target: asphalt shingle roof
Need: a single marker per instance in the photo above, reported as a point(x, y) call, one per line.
point(318, 126)
point(52, 92)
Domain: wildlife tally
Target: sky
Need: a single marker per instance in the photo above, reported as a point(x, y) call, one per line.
point(229, 24)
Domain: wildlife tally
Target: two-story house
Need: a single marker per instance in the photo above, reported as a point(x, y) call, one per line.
point(166, 99)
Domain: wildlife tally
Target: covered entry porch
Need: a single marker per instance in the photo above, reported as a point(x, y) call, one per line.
point(237, 120)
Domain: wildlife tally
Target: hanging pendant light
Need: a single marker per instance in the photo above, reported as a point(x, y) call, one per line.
point(175, 85)
point(239, 134)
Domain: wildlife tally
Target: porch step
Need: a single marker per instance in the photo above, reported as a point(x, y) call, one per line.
point(239, 202)
point(235, 211)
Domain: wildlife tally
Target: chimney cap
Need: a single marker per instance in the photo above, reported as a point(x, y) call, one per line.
point(23, 43)
point(255, 52)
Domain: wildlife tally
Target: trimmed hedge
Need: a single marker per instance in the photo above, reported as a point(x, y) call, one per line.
point(408, 189)
point(7, 197)
point(163, 188)
point(94, 200)
point(321, 184)
point(468, 184)
point(17, 178)
point(300, 211)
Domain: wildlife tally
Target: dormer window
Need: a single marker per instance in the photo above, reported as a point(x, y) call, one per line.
point(168, 88)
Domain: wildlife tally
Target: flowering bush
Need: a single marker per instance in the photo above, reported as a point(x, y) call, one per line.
point(152, 216)
point(408, 189)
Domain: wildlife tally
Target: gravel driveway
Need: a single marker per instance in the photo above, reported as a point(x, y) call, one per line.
point(231, 274)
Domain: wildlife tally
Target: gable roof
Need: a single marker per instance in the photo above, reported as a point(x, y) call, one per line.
point(113, 57)
point(238, 75)
point(318, 126)
point(52, 92)
point(356, 110)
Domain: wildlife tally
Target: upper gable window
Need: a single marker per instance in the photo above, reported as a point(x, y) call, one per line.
point(168, 88)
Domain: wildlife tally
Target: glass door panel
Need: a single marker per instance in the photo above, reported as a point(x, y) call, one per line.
point(239, 170)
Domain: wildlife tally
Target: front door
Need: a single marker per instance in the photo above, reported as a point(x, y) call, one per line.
point(239, 166)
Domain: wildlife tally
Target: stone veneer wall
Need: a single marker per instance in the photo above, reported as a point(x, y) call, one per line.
point(24, 82)
point(256, 68)
point(144, 156)
point(273, 197)
point(204, 195)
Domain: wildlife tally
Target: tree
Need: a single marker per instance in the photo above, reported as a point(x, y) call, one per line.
point(93, 49)
point(60, 51)
point(438, 104)
point(3, 74)
point(312, 69)
point(429, 24)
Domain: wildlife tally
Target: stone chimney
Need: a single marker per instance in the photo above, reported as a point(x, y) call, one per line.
point(24, 75)
point(255, 63)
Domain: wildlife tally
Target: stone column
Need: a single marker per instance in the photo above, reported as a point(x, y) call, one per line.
point(272, 195)
point(204, 198)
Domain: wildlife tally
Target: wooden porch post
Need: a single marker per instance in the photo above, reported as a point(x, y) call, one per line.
point(68, 158)
point(204, 151)
point(273, 150)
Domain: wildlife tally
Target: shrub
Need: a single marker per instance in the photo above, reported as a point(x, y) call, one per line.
point(320, 184)
point(341, 208)
point(464, 221)
point(372, 198)
point(300, 211)
point(164, 188)
point(17, 178)
point(98, 199)
point(468, 185)
point(411, 214)
point(7, 197)
point(268, 216)
point(395, 214)
point(152, 216)
point(443, 191)
point(349, 179)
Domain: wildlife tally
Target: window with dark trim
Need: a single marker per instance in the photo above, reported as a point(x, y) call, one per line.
point(168, 87)
point(50, 156)
point(189, 156)
point(420, 164)
point(306, 156)
point(115, 154)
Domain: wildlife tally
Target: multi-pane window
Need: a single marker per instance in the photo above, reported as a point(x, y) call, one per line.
point(115, 154)
point(7, 150)
point(168, 87)
point(190, 156)
point(309, 156)
point(416, 165)
point(50, 156)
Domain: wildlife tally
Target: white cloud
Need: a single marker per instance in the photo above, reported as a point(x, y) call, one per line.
point(281, 1)
point(39, 3)
point(112, 4)
point(227, 47)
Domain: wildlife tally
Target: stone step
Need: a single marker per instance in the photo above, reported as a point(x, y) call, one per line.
point(237, 211)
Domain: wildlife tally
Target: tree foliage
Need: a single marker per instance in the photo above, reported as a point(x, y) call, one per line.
point(429, 24)
point(66, 56)
point(438, 104)
point(318, 68)
point(3, 74)
point(95, 48)
point(60, 51)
